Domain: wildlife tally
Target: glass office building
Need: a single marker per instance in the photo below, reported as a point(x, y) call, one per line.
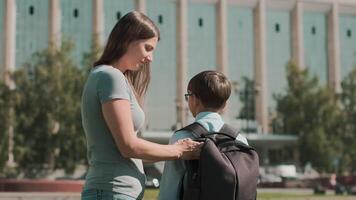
point(242, 38)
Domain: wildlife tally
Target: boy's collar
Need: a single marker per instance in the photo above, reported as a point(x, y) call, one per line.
point(206, 114)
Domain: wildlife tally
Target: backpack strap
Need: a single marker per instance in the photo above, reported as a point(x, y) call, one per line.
point(229, 130)
point(197, 129)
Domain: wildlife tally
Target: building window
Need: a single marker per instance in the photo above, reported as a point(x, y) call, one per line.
point(160, 19)
point(313, 30)
point(349, 33)
point(200, 22)
point(76, 13)
point(118, 15)
point(277, 28)
point(31, 10)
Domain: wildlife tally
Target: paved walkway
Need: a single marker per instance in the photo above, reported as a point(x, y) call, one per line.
point(39, 196)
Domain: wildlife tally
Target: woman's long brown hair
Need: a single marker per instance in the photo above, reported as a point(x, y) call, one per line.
point(131, 27)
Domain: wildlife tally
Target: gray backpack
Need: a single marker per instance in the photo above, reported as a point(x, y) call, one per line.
point(227, 169)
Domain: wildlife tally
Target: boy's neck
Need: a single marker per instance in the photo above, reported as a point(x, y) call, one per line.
point(208, 110)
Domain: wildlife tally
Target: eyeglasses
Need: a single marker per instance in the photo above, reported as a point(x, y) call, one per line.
point(187, 96)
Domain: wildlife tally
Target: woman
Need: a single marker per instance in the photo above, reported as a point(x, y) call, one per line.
point(112, 115)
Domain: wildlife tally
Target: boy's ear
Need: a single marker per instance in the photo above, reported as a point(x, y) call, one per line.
point(197, 102)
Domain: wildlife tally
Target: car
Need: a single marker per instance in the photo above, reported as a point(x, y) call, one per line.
point(152, 182)
point(351, 189)
point(153, 174)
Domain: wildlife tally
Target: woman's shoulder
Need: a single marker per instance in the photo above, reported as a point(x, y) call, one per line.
point(107, 71)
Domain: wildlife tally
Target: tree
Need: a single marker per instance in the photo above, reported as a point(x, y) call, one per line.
point(348, 100)
point(247, 98)
point(93, 55)
point(7, 101)
point(48, 122)
point(312, 113)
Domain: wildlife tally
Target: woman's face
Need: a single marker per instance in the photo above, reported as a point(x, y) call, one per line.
point(139, 52)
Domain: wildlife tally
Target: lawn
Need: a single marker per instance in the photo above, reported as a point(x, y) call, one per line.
point(277, 196)
point(151, 194)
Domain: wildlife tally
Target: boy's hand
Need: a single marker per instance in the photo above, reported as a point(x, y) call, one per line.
point(189, 148)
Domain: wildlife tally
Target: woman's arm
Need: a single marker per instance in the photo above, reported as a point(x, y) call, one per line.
point(118, 117)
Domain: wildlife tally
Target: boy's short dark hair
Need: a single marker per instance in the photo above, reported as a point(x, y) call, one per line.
point(211, 87)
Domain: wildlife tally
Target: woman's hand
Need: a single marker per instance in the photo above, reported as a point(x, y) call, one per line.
point(190, 150)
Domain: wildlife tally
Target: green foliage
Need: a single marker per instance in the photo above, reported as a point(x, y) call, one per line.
point(312, 113)
point(93, 55)
point(247, 98)
point(348, 133)
point(48, 122)
point(44, 111)
point(7, 100)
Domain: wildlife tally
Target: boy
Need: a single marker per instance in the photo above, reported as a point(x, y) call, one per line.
point(207, 94)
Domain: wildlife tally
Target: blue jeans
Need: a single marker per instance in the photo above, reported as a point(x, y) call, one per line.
point(94, 194)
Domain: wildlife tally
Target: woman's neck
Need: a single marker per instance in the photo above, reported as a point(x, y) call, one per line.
point(119, 65)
